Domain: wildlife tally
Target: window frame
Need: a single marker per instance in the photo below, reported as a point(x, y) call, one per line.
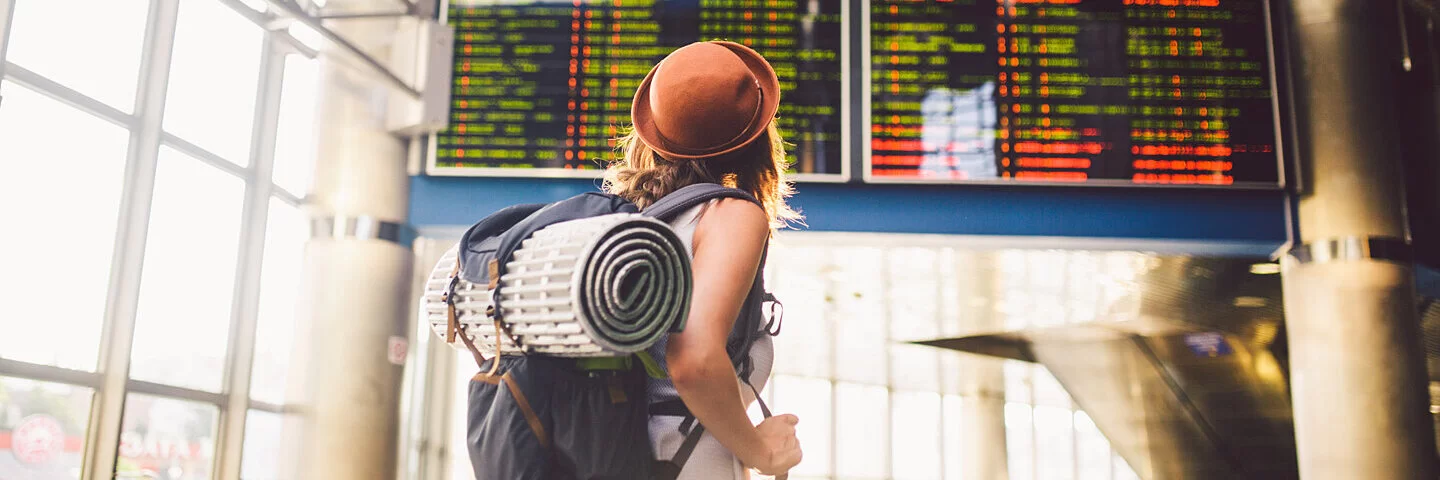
point(110, 381)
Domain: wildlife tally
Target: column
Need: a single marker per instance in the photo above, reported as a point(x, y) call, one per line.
point(355, 295)
point(1358, 377)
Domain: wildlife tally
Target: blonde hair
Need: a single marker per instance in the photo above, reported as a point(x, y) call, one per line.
point(642, 177)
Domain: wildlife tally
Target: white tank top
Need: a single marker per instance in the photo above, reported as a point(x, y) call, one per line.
point(762, 353)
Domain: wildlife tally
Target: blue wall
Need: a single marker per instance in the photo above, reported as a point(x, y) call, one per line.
point(1190, 216)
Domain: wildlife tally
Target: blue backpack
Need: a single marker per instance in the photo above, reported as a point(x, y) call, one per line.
point(565, 418)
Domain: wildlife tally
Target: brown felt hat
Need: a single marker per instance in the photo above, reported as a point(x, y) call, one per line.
point(704, 100)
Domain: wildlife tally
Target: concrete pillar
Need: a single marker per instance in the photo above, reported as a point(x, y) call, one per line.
point(1358, 377)
point(356, 297)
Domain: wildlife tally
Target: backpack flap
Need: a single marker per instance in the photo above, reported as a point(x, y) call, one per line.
point(480, 242)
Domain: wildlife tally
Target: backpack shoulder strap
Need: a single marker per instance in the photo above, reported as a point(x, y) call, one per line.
point(689, 196)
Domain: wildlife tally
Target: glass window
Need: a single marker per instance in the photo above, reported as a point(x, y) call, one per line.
point(1020, 442)
point(858, 314)
point(1054, 443)
point(296, 140)
point(1017, 381)
point(280, 278)
point(256, 5)
point(214, 73)
point(260, 459)
point(914, 367)
point(91, 46)
point(916, 436)
point(1093, 449)
point(166, 438)
point(188, 282)
point(810, 399)
point(855, 308)
point(913, 302)
point(66, 259)
point(42, 429)
point(463, 369)
point(803, 290)
point(1123, 471)
point(862, 431)
point(1048, 390)
point(953, 436)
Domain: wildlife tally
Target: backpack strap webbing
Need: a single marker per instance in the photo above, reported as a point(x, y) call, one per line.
point(453, 327)
point(677, 202)
point(676, 408)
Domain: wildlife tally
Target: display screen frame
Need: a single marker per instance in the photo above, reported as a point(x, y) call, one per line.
point(866, 174)
point(846, 115)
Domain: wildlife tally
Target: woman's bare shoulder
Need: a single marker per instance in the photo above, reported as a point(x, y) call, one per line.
point(734, 218)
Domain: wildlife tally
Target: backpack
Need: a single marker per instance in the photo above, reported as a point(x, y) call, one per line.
point(564, 418)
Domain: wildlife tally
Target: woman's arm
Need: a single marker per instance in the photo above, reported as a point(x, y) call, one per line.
point(728, 244)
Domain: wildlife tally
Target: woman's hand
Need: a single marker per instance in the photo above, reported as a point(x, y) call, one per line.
point(779, 448)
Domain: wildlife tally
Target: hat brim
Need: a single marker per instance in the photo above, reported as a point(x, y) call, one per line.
point(644, 120)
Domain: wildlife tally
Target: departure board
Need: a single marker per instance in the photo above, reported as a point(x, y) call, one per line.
point(1131, 92)
point(544, 87)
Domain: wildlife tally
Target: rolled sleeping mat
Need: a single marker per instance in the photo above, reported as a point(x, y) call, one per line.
point(601, 286)
point(471, 302)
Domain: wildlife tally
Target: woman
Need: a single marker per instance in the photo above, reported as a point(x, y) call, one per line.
point(706, 114)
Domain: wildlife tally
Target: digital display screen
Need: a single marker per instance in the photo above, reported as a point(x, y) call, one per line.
point(544, 87)
point(1128, 92)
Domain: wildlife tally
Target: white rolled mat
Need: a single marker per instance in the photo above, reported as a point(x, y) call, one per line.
point(600, 286)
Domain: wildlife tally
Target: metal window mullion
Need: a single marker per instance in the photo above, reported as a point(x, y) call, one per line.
point(1110, 465)
point(287, 197)
point(205, 156)
point(171, 391)
point(1067, 291)
point(268, 407)
point(888, 361)
point(244, 314)
point(834, 371)
point(942, 254)
point(1034, 426)
point(123, 297)
point(48, 373)
point(270, 22)
point(437, 436)
point(1074, 440)
point(7, 14)
point(53, 89)
point(415, 409)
